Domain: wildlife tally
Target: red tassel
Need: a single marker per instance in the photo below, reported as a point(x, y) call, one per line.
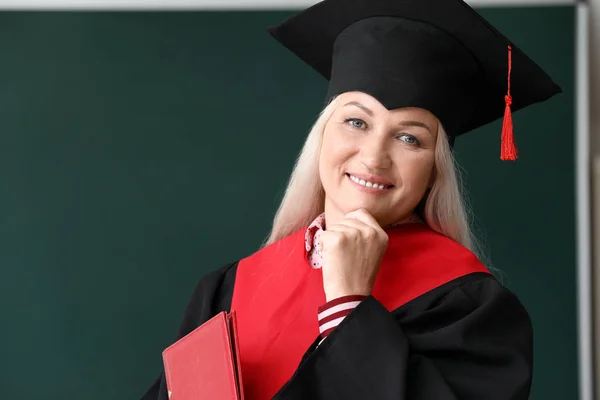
point(508, 149)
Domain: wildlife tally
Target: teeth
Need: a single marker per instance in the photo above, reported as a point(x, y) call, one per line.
point(367, 183)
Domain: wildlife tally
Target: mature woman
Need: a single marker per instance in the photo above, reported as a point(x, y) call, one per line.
point(368, 286)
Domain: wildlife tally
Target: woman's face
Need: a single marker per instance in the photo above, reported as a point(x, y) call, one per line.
point(366, 144)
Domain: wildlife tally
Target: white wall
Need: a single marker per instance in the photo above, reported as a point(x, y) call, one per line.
point(215, 4)
point(595, 144)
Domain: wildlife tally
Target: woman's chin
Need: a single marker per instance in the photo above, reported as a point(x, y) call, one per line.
point(374, 210)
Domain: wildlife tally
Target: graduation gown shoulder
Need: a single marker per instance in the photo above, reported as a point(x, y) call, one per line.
point(470, 339)
point(467, 339)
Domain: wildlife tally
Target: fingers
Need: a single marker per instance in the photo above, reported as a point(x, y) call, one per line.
point(351, 230)
point(366, 218)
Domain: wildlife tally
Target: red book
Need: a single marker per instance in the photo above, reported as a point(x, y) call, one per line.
point(205, 363)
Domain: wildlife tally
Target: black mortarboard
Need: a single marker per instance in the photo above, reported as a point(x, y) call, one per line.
point(439, 55)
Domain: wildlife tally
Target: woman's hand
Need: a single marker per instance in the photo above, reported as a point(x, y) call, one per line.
point(352, 252)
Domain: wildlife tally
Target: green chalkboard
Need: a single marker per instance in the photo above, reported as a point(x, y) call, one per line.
point(140, 150)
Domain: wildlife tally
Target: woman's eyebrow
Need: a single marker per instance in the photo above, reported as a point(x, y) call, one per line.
point(362, 107)
point(415, 123)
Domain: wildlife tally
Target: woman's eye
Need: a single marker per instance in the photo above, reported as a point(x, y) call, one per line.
point(409, 139)
point(356, 123)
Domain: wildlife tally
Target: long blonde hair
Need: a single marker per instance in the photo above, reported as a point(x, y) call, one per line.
point(444, 208)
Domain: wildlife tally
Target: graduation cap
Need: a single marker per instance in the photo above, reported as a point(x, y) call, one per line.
point(439, 55)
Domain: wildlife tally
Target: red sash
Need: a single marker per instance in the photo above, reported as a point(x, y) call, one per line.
point(277, 294)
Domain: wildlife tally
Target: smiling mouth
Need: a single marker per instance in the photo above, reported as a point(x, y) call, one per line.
point(367, 184)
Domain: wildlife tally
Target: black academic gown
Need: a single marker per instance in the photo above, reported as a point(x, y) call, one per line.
point(468, 339)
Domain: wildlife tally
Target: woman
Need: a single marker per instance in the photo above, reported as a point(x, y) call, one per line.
point(368, 286)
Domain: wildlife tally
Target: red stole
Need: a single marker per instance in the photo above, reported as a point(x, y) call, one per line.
point(277, 294)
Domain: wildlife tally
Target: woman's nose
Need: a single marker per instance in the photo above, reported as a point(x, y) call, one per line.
point(374, 153)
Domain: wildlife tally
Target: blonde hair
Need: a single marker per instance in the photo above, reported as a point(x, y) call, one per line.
point(443, 208)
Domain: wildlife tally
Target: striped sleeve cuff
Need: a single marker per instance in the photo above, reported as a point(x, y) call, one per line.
point(332, 313)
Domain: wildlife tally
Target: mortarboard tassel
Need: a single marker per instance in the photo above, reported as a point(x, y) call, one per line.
point(508, 150)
